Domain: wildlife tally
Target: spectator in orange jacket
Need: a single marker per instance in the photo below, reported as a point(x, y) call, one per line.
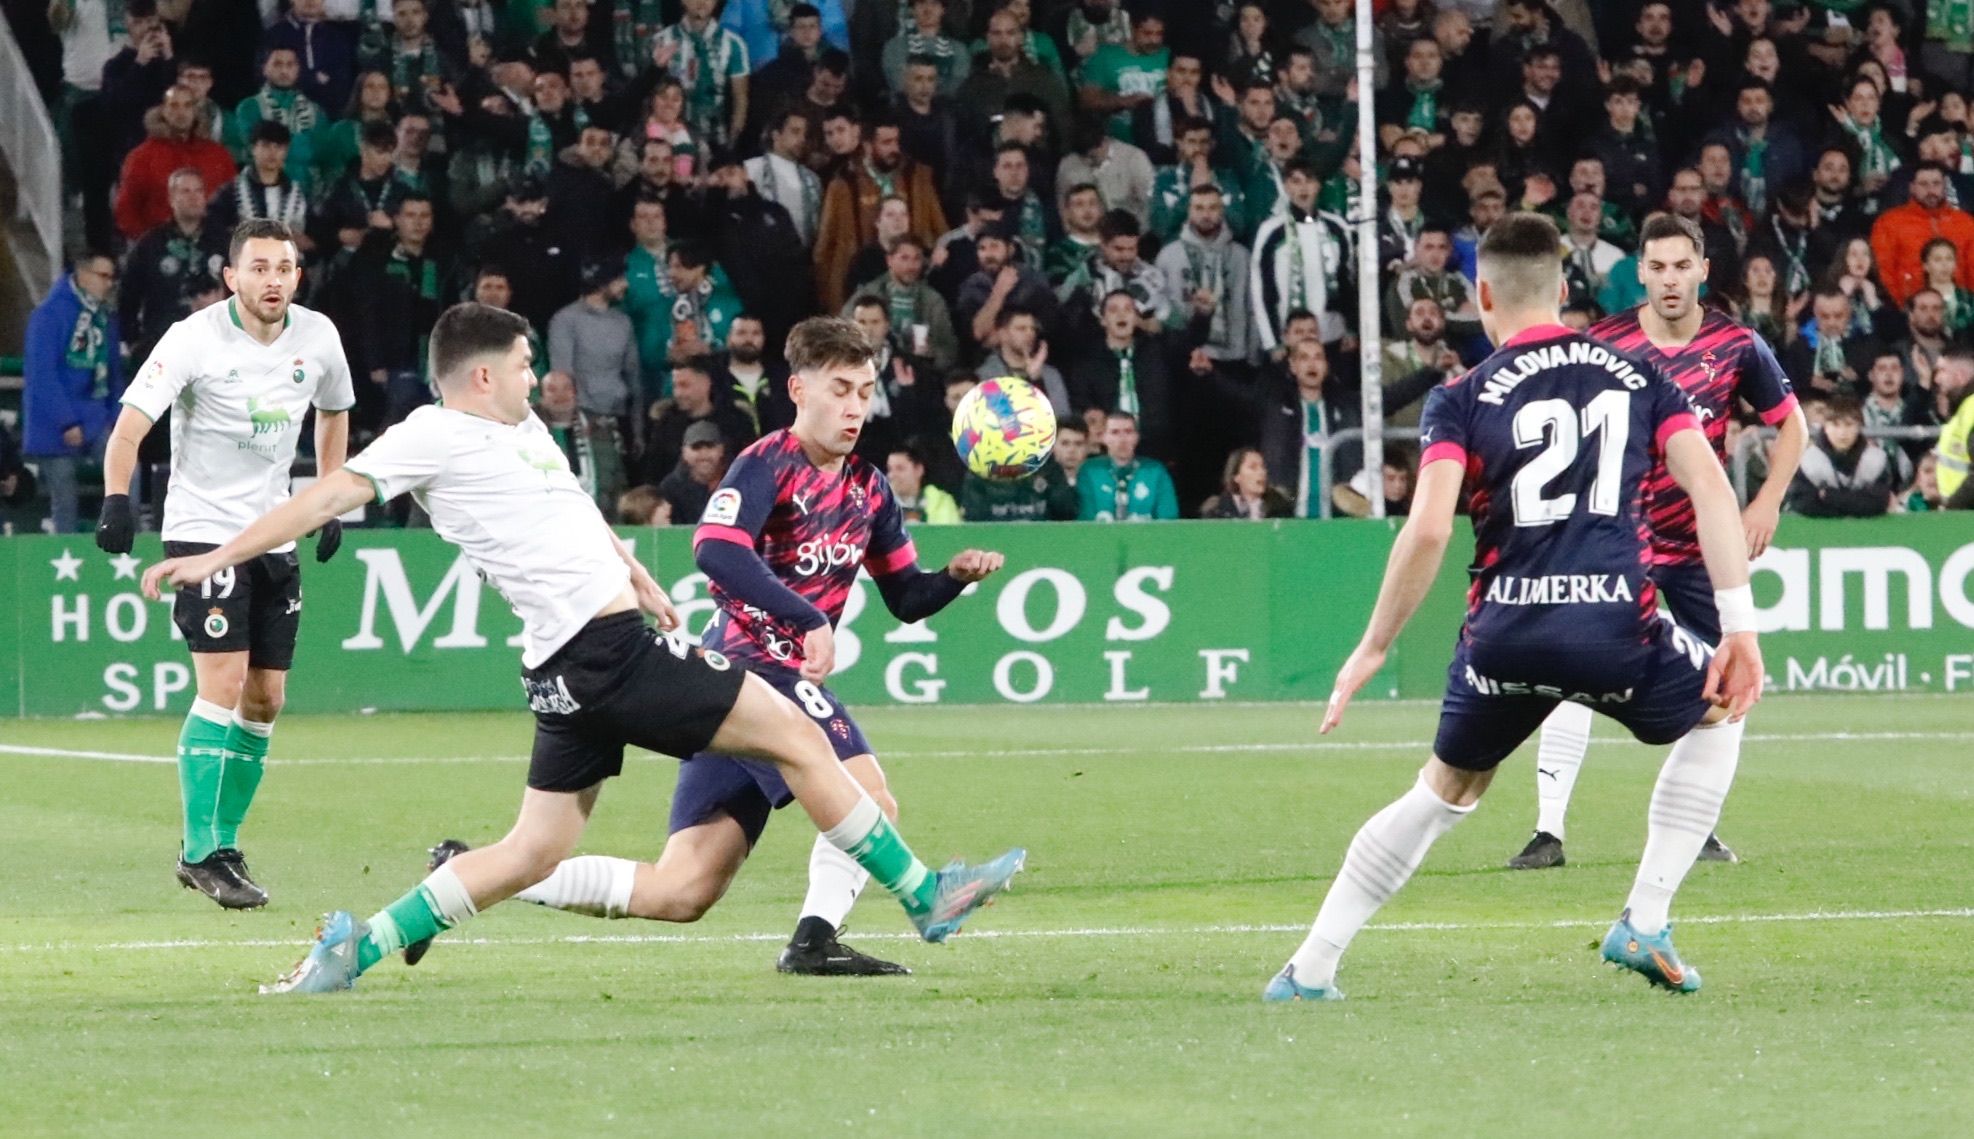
point(179, 139)
point(1899, 238)
point(849, 211)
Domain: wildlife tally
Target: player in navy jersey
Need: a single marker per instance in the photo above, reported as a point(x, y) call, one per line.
point(1548, 444)
point(781, 543)
point(1720, 365)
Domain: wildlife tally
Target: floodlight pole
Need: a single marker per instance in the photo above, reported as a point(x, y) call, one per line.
point(1370, 343)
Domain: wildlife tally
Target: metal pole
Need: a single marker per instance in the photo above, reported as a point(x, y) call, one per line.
point(1370, 346)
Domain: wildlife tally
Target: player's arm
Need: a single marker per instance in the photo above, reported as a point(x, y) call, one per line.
point(327, 499)
point(1772, 396)
point(910, 593)
point(724, 550)
point(146, 400)
point(1409, 574)
point(1734, 677)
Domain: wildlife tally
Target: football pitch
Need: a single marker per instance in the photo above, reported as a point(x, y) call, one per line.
point(1177, 855)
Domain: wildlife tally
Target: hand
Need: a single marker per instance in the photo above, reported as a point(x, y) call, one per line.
point(1538, 190)
point(1203, 302)
point(1086, 45)
point(1363, 664)
point(328, 540)
point(445, 100)
point(1921, 368)
point(969, 566)
point(1348, 344)
point(72, 437)
point(1734, 676)
point(1720, 20)
point(1447, 361)
point(8, 485)
point(906, 377)
point(663, 54)
point(1199, 363)
point(176, 572)
point(940, 254)
point(1797, 304)
point(1006, 279)
point(818, 654)
point(652, 599)
point(1696, 73)
point(1759, 521)
point(1604, 71)
point(1842, 115)
point(1038, 359)
point(1918, 114)
point(117, 526)
point(1224, 91)
point(378, 376)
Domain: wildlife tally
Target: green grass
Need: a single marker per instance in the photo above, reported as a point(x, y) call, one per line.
point(1507, 1026)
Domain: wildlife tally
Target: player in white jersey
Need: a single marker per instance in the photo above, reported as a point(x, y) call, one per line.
point(239, 378)
point(597, 677)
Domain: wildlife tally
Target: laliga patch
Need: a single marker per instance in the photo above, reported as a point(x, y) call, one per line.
point(723, 509)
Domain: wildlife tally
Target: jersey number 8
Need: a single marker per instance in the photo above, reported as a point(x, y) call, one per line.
point(813, 701)
point(1557, 423)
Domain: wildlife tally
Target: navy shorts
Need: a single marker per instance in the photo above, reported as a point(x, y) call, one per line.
point(747, 789)
point(1689, 593)
point(1497, 695)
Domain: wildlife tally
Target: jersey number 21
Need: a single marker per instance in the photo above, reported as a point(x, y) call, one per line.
point(1558, 424)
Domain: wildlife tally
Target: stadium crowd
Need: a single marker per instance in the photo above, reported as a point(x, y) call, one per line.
point(1145, 208)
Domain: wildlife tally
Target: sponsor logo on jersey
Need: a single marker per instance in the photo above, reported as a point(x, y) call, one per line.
point(215, 624)
point(267, 420)
point(550, 696)
point(723, 509)
point(1559, 589)
point(822, 554)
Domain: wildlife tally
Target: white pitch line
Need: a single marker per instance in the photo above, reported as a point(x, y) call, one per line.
point(1001, 753)
point(1813, 916)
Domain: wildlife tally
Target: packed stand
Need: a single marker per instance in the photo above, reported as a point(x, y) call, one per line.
point(1146, 209)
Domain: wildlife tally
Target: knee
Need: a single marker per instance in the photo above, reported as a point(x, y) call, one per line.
point(261, 707)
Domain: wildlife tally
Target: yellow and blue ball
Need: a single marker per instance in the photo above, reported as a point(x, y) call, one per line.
point(1004, 429)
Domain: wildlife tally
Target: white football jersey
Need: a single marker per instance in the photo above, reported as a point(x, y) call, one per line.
point(237, 410)
point(505, 496)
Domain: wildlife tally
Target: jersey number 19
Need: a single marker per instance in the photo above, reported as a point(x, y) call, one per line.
point(1557, 424)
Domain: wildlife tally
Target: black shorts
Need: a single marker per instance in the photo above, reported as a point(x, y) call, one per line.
point(254, 607)
point(1689, 593)
point(617, 682)
point(1497, 695)
point(748, 789)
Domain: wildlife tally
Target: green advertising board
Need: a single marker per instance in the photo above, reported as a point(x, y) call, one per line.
point(1172, 612)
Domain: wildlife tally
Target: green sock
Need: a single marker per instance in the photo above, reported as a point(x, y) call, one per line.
point(246, 745)
point(870, 839)
point(432, 907)
point(202, 755)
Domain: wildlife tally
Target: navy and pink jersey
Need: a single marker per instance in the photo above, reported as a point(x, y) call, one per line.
point(1557, 434)
point(814, 530)
point(1723, 363)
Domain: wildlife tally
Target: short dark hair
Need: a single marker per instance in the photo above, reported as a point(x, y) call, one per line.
point(1008, 312)
point(491, 270)
point(1664, 226)
point(1521, 258)
point(1082, 188)
point(466, 332)
point(834, 60)
point(1622, 85)
point(827, 341)
point(1119, 223)
point(689, 253)
point(408, 197)
point(697, 362)
point(256, 229)
point(870, 300)
point(380, 136)
point(803, 12)
point(1073, 426)
point(269, 130)
point(1845, 407)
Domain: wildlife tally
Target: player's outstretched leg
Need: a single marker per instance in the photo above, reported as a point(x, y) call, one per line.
point(1686, 804)
point(1558, 758)
point(441, 853)
point(547, 830)
point(764, 723)
point(1381, 858)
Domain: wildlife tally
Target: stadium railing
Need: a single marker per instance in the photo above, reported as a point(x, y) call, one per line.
point(1326, 468)
point(1752, 438)
point(33, 159)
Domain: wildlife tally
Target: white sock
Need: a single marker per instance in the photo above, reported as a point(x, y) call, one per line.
point(263, 730)
point(835, 880)
point(1384, 854)
point(1558, 757)
point(1685, 806)
point(594, 885)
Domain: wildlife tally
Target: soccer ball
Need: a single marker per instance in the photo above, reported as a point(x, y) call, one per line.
point(1004, 429)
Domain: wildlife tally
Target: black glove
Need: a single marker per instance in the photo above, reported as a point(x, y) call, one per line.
point(329, 539)
point(117, 526)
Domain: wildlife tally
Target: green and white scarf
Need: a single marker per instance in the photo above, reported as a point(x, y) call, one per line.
point(1127, 388)
point(903, 301)
point(1315, 435)
point(811, 188)
point(1116, 30)
point(89, 342)
point(887, 184)
point(1424, 114)
point(1951, 22)
point(1876, 156)
point(1206, 268)
point(632, 24)
point(286, 106)
point(1754, 172)
point(540, 155)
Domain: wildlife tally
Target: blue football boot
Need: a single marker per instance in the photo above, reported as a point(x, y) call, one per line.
point(963, 889)
point(1284, 987)
point(331, 962)
point(1652, 957)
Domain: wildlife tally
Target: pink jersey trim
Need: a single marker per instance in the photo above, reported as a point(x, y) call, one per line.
point(707, 532)
point(1674, 424)
point(903, 557)
point(1445, 450)
point(1780, 411)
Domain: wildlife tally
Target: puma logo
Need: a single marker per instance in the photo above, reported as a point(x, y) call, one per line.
point(1551, 774)
point(801, 501)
